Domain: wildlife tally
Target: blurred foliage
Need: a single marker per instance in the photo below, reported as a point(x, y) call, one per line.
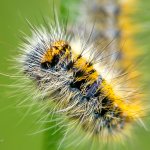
point(15, 125)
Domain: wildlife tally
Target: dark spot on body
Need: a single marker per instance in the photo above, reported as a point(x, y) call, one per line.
point(54, 62)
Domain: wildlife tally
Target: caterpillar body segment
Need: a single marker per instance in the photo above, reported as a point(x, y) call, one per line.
point(113, 24)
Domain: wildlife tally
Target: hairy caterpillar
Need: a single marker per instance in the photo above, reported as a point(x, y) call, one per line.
point(81, 81)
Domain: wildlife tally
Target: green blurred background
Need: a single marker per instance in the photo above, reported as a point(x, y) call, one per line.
point(15, 131)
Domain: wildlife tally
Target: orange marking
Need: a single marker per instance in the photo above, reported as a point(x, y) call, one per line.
point(55, 49)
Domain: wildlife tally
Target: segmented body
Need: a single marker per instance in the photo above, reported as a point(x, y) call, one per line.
point(86, 74)
point(113, 24)
point(78, 89)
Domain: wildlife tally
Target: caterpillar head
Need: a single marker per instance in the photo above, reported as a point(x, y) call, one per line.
point(45, 58)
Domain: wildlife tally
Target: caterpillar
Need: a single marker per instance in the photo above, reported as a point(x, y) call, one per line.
point(76, 86)
point(78, 76)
